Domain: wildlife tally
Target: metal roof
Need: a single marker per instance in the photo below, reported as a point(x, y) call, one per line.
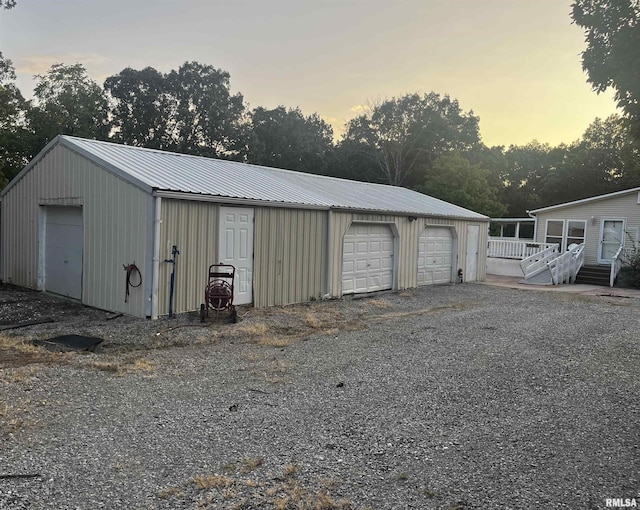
point(161, 171)
point(586, 200)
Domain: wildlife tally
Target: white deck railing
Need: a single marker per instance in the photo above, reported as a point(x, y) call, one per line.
point(514, 248)
point(616, 264)
point(565, 267)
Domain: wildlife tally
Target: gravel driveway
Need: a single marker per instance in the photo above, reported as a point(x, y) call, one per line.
point(450, 397)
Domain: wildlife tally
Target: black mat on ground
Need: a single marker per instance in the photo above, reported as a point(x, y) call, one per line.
point(70, 343)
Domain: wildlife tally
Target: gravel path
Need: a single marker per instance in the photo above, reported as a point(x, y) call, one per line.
point(452, 397)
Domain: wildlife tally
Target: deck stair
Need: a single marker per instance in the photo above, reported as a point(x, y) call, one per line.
point(594, 275)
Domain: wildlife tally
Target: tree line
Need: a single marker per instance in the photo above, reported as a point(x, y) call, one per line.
point(426, 142)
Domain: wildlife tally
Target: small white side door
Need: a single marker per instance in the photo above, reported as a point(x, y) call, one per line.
point(236, 249)
point(473, 239)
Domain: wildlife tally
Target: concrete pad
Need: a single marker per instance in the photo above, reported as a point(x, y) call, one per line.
point(513, 282)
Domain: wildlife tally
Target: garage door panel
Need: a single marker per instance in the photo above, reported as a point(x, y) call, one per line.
point(370, 268)
point(435, 253)
point(362, 247)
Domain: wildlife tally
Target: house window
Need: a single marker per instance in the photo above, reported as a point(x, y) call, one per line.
point(575, 232)
point(565, 233)
point(555, 229)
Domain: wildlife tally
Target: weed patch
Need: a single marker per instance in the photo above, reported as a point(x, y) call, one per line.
point(16, 352)
point(122, 368)
point(281, 491)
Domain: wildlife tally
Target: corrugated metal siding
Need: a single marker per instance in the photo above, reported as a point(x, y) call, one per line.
point(290, 253)
point(114, 215)
point(193, 228)
point(620, 206)
point(407, 245)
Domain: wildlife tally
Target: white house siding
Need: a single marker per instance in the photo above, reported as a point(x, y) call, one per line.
point(620, 206)
point(290, 255)
point(193, 227)
point(406, 246)
point(114, 215)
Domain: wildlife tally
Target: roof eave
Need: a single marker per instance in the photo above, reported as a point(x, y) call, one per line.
point(220, 199)
point(585, 200)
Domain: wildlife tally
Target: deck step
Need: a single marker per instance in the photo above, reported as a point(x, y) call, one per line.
point(594, 275)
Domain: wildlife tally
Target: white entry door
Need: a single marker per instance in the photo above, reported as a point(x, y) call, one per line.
point(63, 251)
point(435, 253)
point(473, 240)
point(236, 249)
point(367, 258)
point(611, 238)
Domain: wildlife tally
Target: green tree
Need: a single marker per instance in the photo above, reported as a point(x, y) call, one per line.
point(619, 152)
point(285, 138)
point(604, 160)
point(403, 136)
point(355, 160)
point(15, 139)
point(142, 108)
point(612, 56)
point(528, 170)
point(454, 179)
point(67, 102)
point(209, 120)
point(190, 110)
point(7, 4)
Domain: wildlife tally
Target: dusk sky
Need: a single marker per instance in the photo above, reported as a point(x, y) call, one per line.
point(515, 63)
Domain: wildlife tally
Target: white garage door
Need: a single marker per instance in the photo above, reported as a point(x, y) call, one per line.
point(63, 251)
point(367, 259)
point(435, 253)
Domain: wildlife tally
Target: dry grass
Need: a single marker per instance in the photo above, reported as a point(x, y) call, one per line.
point(17, 344)
point(13, 419)
point(249, 465)
point(171, 492)
point(122, 368)
point(252, 330)
point(19, 374)
point(290, 470)
point(380, 303)
point(278, 341)
point(262, 334)
point(282, 491)
point(312, 321)
point(16, 351)
point(212, 481)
